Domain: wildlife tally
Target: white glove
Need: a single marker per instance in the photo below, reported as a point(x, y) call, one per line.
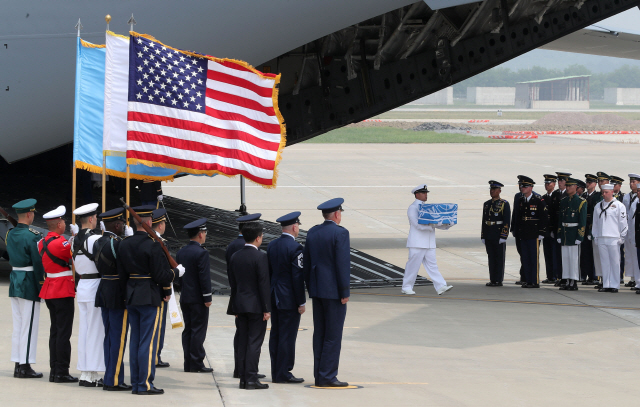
point(551, 234)
point(502, 241)
point(482, 241)
point(559, 240)
point(128, 230)
point(540, 237)
point(102, 228)
point(589, 237)
point(439, 223)
point(74, 229)
point(180, 270)
point(160, 197)
point(578, 242)
point(621, 241)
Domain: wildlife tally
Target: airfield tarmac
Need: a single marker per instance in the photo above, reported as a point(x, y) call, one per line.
point(474, 346)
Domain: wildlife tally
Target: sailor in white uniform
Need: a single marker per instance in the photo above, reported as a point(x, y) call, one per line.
point(91, 330)
point(422, 247)
point(609, 231)
point(630, 202)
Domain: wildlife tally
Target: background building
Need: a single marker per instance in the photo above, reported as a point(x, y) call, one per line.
point(497, 96)
point(622, 96)
point(571, 92)
point(441, 97)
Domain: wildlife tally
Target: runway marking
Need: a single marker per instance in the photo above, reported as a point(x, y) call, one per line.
point(503, 301)
point(393, 383)
point(334, 388)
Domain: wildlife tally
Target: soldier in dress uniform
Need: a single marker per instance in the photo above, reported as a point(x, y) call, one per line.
point(327, 264)
point(25, 281)
point(159, 225)
point(603, 179)
point(559, 193)
point(151, 193)
point(496, 218)
point(587, 265)
point(570, 226)
point(58, 292)
point(110, 298)
point(143, 266)
point(233, 247)
point(630, 202)
point(549, 245)
point(288, 299)
point(530, 225)
point(609, 229)
point(636, 224)
point(195, 299)
point(619, 195)
point(91, 328)
point(516, 206)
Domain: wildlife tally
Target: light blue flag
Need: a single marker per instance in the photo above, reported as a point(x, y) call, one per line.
point(447, 214)
point(89, 119)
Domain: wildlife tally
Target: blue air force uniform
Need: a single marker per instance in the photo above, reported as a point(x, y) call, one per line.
point(144, 267)
point(327, 263)
point(196, 292)
point(287, 294)
point(158, 216)
point(496, 218)
point(110, 298)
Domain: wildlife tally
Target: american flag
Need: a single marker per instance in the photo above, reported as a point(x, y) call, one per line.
point(202, 115)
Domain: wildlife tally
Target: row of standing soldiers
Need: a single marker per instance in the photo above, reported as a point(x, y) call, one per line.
point(587, 235)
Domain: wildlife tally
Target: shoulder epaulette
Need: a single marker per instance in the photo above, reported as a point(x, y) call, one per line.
point(35, 232)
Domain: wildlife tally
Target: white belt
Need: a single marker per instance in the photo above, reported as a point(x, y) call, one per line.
point(570, 225)
point(61, 274)
point(28, 268)
point(489, 223)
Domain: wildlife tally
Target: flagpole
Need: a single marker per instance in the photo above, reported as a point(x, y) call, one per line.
point(243, 206)
point(128, 194)
point(73, 194)
point(104, 181)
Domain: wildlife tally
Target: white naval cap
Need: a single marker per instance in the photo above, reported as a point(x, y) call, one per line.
point(88, 209)
point(59, 212)
point(634, 176)
point(420, 188)
point(607, 186)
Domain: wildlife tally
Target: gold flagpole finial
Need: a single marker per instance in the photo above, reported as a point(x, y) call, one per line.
point(107, 18)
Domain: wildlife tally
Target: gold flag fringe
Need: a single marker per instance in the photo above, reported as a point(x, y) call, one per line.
point(90, 45)
point(98, 170)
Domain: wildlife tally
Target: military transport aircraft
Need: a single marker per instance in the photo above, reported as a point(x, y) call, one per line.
point(341, 61)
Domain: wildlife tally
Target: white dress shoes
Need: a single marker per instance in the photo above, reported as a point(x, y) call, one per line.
point(408, 292)
point(444, 289)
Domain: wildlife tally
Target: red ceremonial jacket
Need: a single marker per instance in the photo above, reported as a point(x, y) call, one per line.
point(56, 287)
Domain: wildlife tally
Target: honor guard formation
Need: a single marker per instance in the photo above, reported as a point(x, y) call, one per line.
point(122, 279)
point(588, 236)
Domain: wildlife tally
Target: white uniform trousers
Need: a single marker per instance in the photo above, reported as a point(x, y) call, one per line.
point(90, 338)
point(24, 341)
point(571, 262)
point(596, 259)
point(609, 262)
point(427, 257)
point(631, 268)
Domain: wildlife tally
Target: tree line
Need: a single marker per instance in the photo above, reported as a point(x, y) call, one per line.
point(624, 77)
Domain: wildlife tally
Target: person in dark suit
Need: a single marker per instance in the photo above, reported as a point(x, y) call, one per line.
point(195, 299)
point(144, 267)
point(288, 298)
point(327, 264)
point(233, 247)
point(250, 302)
point(110, 298)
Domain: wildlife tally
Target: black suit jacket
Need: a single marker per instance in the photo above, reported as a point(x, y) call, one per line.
point(146, 270)
point(249, 280)
point(233, 247)
point(196, 281)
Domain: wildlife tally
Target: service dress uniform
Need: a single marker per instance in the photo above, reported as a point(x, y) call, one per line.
point(636, 223)
point(630, 202)
point(159, 216)
point(110, 300)
point(615, 181)
point(25, 281)
point(587, 265)
point(287, 295)
point(327, 264)
point(553, 211)
point(570, 226)
point(609, 230)
point(196, 293)
point(232, 248)
point(91, 328)
point(421, 243)
point(58, 292)
point(144, 267)
point(496, 220)
point(151, 193)
point(549, 245)
point(596, 252)
point(530, 225)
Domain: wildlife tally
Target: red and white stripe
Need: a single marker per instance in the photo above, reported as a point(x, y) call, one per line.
point(237, 133)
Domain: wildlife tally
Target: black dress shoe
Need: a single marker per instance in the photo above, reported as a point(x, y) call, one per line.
point(630, 284)
point(160, 363)
point(519, 282)
point(243, 385)
point(603, 290)
point(51, 378)
point(525, 285)
point(86, 383)
point(100, 383)
point(490, 284)
point(548, 281)
point(120, 387)
point(597, 286)
point(256, 386)
point(26, 372)
point(292, 380)
point(534, 285)
point(564, 287)
point(203, 370)
point(152, 392)
point(613, 290)
point(65, 378)
point(261, 376)
point(573, 288)
point(16, 370)
point(336, 383)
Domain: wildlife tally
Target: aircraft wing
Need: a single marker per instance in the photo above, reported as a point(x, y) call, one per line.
point(599, 40)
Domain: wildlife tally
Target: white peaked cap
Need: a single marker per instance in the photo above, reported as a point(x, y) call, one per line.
point(419, 187)
point(85, 209)
point(59, 212)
